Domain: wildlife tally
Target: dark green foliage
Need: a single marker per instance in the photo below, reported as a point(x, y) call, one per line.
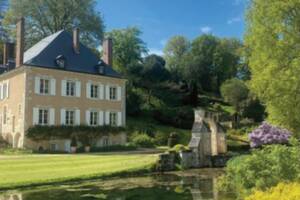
point(133, 103)
point(182, 117)
point(67, 132)
point(254, 110)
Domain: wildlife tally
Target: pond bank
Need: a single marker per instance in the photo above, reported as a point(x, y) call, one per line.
point(188, 185)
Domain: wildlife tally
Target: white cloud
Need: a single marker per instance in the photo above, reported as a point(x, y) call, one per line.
point(156, 51)
point(234, 20)
point(206, 29)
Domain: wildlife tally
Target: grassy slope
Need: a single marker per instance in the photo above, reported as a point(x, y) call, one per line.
point(29, 170)
point(141, 123)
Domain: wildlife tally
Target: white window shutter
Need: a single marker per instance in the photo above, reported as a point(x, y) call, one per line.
point(107, 118)
point(62, 116)
point(88, 90)
point(101, 91)
point(63, 88)
point(53, 86)
point(7, 89)
point(119, 118)
point(1, 91)
point(78, 88)
point(119, 93)
point(52, 116)
point(107, 92)
point(87, 117)
point(35, 117)
point(77, 117)
point(101, 118)
point(37, 85)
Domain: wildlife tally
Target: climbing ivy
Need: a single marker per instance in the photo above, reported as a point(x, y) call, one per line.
point(66, 132)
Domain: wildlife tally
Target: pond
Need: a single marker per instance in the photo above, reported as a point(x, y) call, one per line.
point(189, 185)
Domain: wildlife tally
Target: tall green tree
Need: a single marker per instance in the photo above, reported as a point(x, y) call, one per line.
point(235, 92)
point(128, 48)
point(174, 52)
point(273, 40)
point(44, 17)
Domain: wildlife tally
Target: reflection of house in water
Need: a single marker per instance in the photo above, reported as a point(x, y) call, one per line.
point(208, 138)
point(202, 189)
point(12, 196)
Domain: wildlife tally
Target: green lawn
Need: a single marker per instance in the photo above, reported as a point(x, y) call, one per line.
point(33, 169)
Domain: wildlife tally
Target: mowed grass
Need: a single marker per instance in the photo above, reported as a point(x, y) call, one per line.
point(29, 170)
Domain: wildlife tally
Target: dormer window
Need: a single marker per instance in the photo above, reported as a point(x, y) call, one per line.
point(60, 61)
point(101, 67)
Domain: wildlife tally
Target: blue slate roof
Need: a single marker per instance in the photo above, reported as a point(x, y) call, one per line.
point(44, 53)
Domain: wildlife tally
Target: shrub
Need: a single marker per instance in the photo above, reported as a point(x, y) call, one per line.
point(283, 191)
point(142, 140)
point(161, 138)
point(268, 134)
point(262, 169)
point(179, 147)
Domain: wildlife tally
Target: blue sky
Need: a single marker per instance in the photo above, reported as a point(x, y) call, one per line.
point(161, 19)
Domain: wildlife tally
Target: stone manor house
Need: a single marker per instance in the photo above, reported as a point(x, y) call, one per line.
point(58, 81)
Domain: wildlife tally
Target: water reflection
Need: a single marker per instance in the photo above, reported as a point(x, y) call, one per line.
point(193, 185)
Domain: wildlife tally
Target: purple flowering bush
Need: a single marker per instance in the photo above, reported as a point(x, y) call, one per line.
point(268, 134)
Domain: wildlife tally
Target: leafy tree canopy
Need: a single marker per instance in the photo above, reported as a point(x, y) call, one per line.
point(128, 48)
point(45, 17)
point(234, 91)
point(174, 53)
point(273, 40)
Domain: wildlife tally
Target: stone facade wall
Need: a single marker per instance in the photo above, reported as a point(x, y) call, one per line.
point(22, 99)
point(12, 128)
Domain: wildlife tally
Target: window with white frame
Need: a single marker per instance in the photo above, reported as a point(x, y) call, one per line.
point(113, 118)
point(94, 118)
point(112, 93)
point(94, 91)
point(70, 117)
point(44, 86)
point(71, 88)
point(43, 118)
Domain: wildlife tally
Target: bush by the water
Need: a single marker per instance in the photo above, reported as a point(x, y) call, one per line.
point(179, 147)
point(142, 140)
point(283, 191)
point(268, 134)
point(262, 169)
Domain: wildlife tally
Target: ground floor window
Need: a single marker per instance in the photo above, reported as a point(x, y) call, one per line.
point(93, 118)
point(70, 117)
point(113, 119)
point(43, 117)
point(105, 141)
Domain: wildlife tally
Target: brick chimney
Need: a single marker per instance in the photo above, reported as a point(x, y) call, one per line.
point(20, 42)
point(8, 52)
point(76, 43)
point(107, 51)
